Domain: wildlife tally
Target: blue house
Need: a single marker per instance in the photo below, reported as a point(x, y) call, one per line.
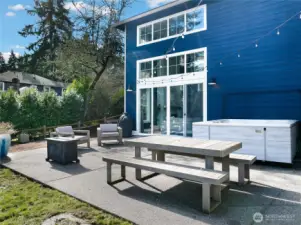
point(193, 60)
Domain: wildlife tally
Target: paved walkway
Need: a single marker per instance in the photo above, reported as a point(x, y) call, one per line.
point(275, 192)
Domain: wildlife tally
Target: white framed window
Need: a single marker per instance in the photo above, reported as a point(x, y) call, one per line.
point(195, 62)
point(176, 25)
point(160, 30)
point(176, 65)
point(159, 67)
point(2, 86)
point(47, 89)
point(145, 34)
point(145, 70)
point(186, 22)
point(195, 20)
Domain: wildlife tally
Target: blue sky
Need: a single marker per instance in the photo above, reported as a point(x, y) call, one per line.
point(13, 17)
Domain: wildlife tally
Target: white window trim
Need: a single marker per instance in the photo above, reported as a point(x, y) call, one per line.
point(167, 18)
point(47, 88)
point(190, 78)
point(3, 86)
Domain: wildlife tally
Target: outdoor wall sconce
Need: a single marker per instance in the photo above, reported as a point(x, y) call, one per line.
point(129, 89)
point(212, 82)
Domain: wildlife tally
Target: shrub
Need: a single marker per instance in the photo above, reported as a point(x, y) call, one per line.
point(50, 106)
point(8, 105)
point(29, 114)
point(71, 107)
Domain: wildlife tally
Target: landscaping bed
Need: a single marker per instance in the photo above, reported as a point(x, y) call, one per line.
point(25, 202)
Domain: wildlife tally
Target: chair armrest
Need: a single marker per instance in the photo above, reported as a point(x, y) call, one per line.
point(119, 131)
point(53, 134)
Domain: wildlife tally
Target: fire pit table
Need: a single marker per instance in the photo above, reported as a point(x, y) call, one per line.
point(62, 150)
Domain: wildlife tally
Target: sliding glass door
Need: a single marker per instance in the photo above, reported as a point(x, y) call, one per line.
point(171, 110)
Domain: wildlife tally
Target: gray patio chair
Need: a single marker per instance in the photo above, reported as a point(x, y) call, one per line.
point(82, 136)
point(109, 132)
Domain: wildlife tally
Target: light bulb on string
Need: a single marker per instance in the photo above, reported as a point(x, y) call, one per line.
point(300, 15)
point(238, 55)
point(183, 36)
point(221, 63)
point(278, 32)
point(256, 44)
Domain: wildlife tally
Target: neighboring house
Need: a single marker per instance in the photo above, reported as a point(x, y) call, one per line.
point(166, 92)
point(17, 80)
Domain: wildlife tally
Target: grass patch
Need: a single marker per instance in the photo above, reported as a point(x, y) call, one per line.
point(23, 202)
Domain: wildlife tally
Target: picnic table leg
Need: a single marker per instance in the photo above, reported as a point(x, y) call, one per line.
point(138, 155)
point(154, 155)
point(161, 156)
point(109, 172)
point(241, 174)
point(206, 197)
point(123, 171)
point(209, 162)
point(247, 172)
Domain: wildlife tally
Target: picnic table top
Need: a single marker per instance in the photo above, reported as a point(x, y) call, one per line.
point(177, 144)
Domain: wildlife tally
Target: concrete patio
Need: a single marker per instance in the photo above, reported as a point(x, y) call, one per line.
point(275, 191)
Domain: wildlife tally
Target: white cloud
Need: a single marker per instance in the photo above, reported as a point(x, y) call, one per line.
point(19, 47)
point(10, 14)
point(7, 54)
point(156, 3)
point(76, 6)
point(17, 7)
point(81, 6)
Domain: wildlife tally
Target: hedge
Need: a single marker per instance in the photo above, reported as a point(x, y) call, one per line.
point(33, 109)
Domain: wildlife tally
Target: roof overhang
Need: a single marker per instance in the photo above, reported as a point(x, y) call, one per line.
point(121, 25)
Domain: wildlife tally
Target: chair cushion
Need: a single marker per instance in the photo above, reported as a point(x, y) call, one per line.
point(109, 127)
point(110, 134)
point(65, 131)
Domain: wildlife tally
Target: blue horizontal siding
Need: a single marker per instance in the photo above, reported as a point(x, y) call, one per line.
point(265, 82)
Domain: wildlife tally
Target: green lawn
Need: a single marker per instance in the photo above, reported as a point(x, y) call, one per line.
point(25, 202)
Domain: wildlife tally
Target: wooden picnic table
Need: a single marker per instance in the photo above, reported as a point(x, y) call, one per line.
point(185, 146)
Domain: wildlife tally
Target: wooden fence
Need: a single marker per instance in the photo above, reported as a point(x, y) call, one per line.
point(78, 125)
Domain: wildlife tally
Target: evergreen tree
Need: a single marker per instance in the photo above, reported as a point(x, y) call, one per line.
point(3, 66)
point(52, 28)
point(12, 64)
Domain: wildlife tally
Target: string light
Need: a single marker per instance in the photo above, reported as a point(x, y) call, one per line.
point(238, 53)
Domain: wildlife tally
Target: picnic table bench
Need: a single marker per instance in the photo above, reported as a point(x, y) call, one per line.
point(211, 180)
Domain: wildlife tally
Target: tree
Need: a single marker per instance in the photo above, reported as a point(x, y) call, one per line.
point(52, 29)
point(12, 64)
point(97, 45)
point(3, 66)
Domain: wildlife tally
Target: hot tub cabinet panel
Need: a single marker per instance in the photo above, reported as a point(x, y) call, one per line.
point(269, 140)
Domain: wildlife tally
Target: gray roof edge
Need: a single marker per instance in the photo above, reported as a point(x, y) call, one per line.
point(150, 12)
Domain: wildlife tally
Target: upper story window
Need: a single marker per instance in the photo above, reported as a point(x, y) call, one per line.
point(176, 65)
point(145, 70)
point(195, 20)
point(176, 25)
point(160, 68)
point(160, 30)
point(145, 34)
point(195, 62)
point(186, 22)
point(182, 63)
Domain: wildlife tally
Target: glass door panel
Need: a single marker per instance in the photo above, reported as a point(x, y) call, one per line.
point(145, 110)
point(159, 105)
point(176, 110)
point(194, 108)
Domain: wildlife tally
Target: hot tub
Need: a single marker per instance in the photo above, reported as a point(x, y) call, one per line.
point(269, 140)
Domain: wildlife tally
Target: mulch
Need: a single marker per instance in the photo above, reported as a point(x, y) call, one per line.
point(28, 146)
